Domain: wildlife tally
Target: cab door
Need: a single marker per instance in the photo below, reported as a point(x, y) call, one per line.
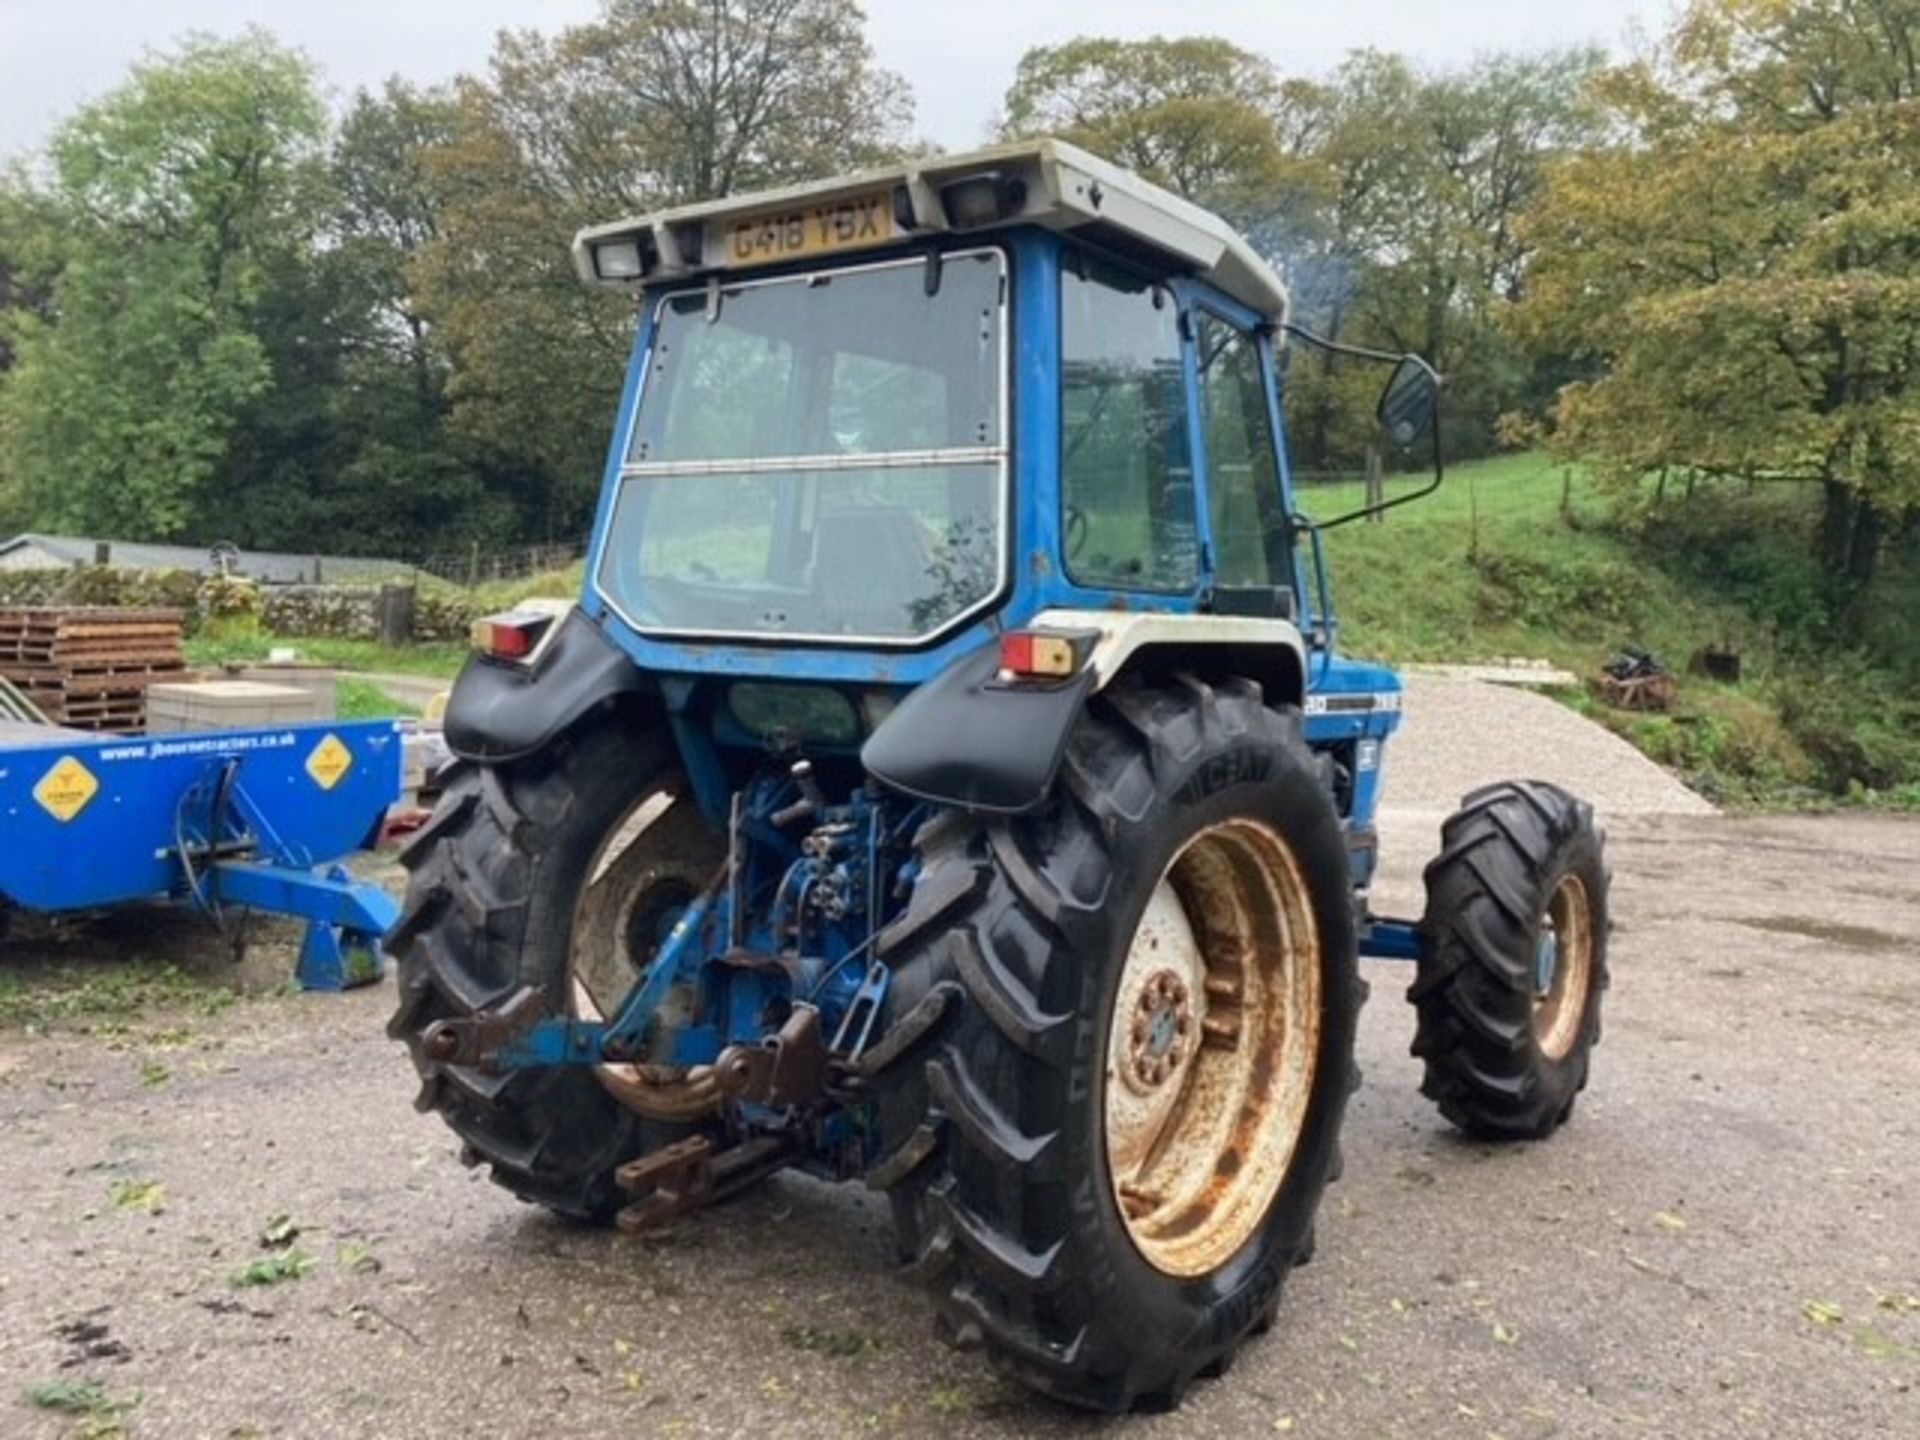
point(1249, 536)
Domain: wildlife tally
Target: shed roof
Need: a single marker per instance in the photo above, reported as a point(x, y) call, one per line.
point(275, 567)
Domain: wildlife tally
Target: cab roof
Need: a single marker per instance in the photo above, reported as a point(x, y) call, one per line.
point(1048, 183)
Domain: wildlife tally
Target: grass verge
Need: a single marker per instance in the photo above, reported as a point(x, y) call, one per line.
point(438, 658)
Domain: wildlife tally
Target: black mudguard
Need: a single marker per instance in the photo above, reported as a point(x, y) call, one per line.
point(972, 740)
point(502, 711)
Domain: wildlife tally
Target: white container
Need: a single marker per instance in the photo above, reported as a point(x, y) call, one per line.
point(231, 705)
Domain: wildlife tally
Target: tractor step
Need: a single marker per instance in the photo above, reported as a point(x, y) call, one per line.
point(690, 1173)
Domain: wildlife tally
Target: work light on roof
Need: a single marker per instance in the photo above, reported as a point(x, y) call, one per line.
point(983, 199)
point(619, 259)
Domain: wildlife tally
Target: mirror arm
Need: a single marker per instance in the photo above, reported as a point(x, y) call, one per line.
point(1340, 347)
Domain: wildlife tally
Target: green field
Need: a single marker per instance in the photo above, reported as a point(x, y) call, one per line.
point(1521, 557)
point(1512, 557)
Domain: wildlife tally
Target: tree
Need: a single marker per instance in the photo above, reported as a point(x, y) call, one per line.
point(1196, 114)
point(386, 213)
point(656, 102)
point(1744, 265)
point(166, 206)
point(1422, 243)
point(1387, 196)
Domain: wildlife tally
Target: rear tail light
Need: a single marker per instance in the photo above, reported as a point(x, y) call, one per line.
point(512, 636)
point(1032, 655)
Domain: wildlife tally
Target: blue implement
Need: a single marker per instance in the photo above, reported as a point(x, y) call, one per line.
point(242, 818)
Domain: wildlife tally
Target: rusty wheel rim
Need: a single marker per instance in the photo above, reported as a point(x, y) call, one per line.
point(1212, 1047)
point(613, 934)
point(1563, 969)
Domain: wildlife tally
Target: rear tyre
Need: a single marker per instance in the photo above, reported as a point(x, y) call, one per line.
point(551, 872)
point(1515, 960)
point(1117, 1048)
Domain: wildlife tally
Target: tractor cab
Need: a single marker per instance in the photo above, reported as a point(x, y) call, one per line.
point(875, 416)
point(947, 778)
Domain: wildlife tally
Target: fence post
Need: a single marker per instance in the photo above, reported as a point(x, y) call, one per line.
point(395, 613)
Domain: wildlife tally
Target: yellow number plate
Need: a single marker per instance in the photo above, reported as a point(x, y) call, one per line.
point(855, 223)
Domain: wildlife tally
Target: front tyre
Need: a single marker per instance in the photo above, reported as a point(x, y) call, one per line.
point(1118, 1047)
point(1514, 960)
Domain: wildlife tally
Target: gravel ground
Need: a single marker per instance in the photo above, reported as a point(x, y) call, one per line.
point(1460, 733)
point(1722, 1243)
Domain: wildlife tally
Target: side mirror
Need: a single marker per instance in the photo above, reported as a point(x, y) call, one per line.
point(1407, 404)
point(1409, 409)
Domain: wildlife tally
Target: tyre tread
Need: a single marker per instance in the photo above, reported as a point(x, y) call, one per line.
point(972, 1220)
point(1486, 889)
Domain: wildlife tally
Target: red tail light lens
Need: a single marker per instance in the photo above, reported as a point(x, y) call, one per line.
point(508, 637)
point(1028, 654)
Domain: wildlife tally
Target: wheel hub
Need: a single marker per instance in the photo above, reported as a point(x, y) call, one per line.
point(637, 887)
point(1212, 1047)
point(1160, 1036)
point(1563, 968)
point(1546, 960)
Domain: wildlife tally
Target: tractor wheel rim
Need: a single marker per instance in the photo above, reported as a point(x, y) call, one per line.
point(617, 927)
point(1212, 1047)
point(1560, 999)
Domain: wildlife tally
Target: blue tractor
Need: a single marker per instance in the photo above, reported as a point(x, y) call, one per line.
point(947, 780)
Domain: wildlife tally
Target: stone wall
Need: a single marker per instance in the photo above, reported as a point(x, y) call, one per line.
point(94, 585)
point(347, 612)
point(350, 612)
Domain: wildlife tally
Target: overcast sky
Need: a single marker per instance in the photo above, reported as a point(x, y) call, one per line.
point(957, 54)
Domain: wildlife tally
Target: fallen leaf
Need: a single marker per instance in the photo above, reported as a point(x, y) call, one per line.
point(146, 1195)
point(1822, 1312)
point(273, 1269)
point(1876, 1344)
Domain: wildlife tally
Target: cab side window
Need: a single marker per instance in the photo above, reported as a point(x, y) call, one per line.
point(1250, 529)
point(1126, 474)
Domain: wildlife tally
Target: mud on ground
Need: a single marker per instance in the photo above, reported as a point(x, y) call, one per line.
point(222, 1216)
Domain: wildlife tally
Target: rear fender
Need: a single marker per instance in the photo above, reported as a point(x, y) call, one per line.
point(973, 740)
point(1262, 649)
point(501, 711)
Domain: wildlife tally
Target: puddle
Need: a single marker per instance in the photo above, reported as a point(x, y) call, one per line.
point(1848, 937)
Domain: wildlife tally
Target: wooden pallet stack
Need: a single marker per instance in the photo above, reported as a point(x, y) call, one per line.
point(88, 666)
